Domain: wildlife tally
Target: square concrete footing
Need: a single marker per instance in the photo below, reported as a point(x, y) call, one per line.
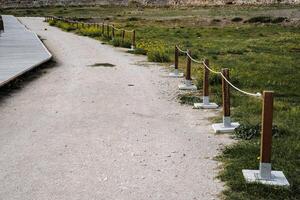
point(187, 85)
point(205, 106)
point(220, 128)
point(176, 75)
point(277, 178)
point(184, 86)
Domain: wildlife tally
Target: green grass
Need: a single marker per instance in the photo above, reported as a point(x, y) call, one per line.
point(260, 57)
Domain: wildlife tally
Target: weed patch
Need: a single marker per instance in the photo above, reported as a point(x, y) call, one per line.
point(155, 55)
point(189, 99)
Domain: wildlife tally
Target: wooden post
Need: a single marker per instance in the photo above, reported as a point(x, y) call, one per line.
point(107, 29)
point(226, 93)
point(113, 31)
point(267, 120)
point(206, 79)
point(133, 39)
point(188, 67)
point(102, 29)
point(123, 36)
point(265, 168)
point(176, 57)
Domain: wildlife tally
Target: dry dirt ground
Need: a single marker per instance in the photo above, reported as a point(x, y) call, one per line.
point(80, 132)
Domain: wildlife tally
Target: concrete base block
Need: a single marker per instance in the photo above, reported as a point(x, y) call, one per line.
point(277, 178)
point(176, 75)
point(187, 85)
point(184, 86)
point(205, 106)
point(220, 128)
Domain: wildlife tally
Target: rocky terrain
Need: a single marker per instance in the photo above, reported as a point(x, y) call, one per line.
point(38, 3)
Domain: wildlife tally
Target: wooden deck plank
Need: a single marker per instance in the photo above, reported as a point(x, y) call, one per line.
point(20, 50)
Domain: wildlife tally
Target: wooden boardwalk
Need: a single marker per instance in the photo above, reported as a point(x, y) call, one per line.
point(20, 50)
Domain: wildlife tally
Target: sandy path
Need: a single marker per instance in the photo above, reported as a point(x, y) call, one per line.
point(81, 132)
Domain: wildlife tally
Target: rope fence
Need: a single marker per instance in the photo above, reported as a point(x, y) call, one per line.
point(265, 171)
point(106, 29)
point(220, 73)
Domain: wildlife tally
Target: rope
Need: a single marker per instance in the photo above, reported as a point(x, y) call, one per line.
point(196, 61)
point(120, 29)
point(238, 89)
point(216, 72)
point(182, 51)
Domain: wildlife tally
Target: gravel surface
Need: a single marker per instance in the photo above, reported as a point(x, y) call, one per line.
point(82, 132)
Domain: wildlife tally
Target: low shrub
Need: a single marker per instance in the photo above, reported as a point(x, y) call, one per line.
point(189, 99)
point(279, 20)
point(139, 51)
point(216, 20)
point(89, 31)
point(259, 19)
point(52, 22)
point(116, 42)
point(237, 19)
point(266, 19)
point(65, 26)
point(248, 131)
point(126, 44)
point(158, 55)
point(132, 19)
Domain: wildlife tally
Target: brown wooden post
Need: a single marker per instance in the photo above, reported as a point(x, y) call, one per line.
point(267, 120)
point(113, 31)
point(123, 36)
point(226, 93)
point(266, 135)
point(176, 57)
point(206, 79)
point(133, 39)
point(188, 67)
point(102, 29)
point(107, 29)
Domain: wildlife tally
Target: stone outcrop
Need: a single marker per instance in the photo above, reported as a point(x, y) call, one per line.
point(38, 3)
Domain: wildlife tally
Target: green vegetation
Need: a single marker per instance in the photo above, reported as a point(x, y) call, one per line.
point(267, 19)
point(92, 31)
point(261, 56)
point(158, 55)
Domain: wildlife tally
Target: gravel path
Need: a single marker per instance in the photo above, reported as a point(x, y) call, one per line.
point(80, 132)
